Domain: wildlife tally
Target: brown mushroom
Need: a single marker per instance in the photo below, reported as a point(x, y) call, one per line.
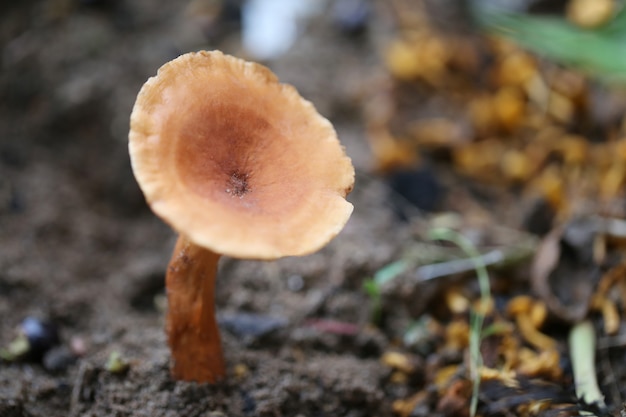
point(239, 165)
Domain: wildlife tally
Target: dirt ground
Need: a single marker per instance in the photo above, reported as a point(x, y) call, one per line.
point(80, 248)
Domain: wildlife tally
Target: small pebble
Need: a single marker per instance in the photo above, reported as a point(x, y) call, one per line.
point(78, 346)
point(240, 370)
point(295, 283)
point(402, 362)
point(351, 16)
point(248, 325)
point(41, 335)
point(58, 359)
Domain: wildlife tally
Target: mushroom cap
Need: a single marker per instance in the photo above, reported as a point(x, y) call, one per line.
point(237, 162)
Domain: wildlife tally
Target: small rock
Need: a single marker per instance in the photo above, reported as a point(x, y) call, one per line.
point(58, 359)
point(78, 346)
point(42, 336)
point(351, 16)
point(248, 325)
point(295, 283)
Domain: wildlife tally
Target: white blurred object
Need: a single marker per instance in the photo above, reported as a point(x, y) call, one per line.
point(270, 27)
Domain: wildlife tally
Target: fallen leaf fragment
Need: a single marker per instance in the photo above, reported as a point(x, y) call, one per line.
point(561, 274)
point(400, 361)
point(405, 407)
point(609, 312)
point(540, 364)
point(529, 315)
point(116, 364)
point(455, 400)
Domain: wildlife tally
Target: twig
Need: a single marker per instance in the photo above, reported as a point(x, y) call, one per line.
point(477, 316)
point(85, 374)
point(456, 266)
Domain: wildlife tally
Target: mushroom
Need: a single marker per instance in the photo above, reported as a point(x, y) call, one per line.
point(239, 165)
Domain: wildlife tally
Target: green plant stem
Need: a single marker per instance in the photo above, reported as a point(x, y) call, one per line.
point(374, 286)
point(477, 317)
point(582, 347)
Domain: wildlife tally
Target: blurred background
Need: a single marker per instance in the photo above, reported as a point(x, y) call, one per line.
point(500, 120)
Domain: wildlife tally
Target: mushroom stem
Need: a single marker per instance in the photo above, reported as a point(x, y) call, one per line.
point(191, 327)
